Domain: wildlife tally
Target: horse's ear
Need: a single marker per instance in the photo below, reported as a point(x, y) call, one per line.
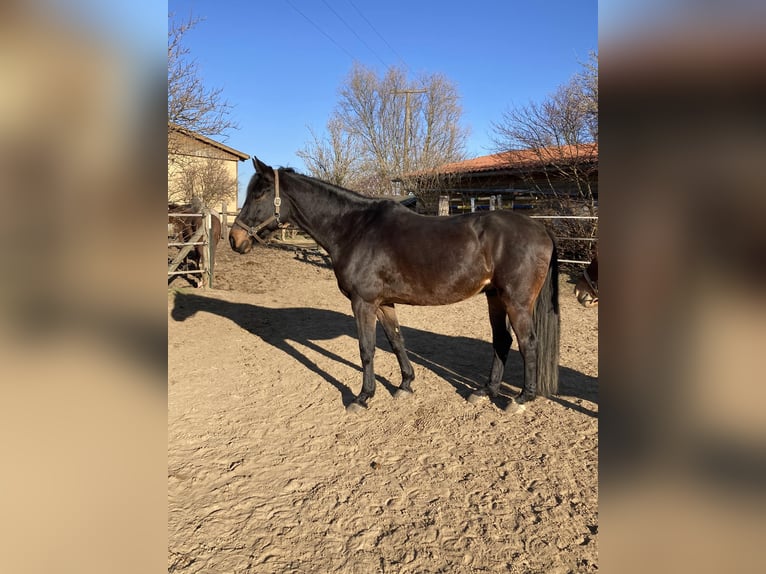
point(261, 167)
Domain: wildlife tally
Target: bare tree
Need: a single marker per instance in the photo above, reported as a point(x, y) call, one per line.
point(562, 132)
point(333, 157)
point(366, 143)
point(559, 120)
point(587, 79)
point(204, 179)
point(191, 104)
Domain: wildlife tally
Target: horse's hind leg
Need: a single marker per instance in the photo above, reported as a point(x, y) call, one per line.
point(501, 344)
point(387, 317)
point(523, 326)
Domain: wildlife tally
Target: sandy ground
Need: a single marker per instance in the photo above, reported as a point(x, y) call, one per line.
point(268, 473)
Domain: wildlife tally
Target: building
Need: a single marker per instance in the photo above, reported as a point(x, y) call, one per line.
point(202, 167)
point(520, 179)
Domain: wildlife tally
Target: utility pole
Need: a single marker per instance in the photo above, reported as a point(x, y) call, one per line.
point(407, 122)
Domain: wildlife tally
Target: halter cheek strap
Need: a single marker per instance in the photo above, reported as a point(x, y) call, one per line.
point(253, 231)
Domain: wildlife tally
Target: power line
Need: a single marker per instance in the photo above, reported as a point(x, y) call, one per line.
point(325, 34)
point(379, 34)
point(354, 33)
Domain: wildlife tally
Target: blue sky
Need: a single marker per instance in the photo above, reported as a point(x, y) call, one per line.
point(282, 62)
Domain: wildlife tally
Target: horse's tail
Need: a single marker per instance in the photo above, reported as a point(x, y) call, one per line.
point(547, 324)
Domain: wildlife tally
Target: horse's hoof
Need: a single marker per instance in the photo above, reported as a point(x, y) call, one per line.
point(402, 394)
point(514, 408)
point(525, 397)
point(476, 398)
point(355, 408)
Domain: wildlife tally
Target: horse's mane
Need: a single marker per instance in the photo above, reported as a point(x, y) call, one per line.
point(333, 188)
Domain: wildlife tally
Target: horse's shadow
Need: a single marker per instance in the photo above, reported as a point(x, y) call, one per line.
point(462, 361)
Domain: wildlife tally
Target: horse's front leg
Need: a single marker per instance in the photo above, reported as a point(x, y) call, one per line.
point(364, 313)
point(387, 318)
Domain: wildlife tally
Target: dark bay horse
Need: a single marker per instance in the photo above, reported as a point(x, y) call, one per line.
point(586, 288)
point(384, 254)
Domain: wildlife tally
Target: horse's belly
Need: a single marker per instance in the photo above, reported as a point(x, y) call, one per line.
point(419, 275)
point(440, 292)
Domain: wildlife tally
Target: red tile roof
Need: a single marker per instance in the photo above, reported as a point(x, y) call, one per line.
point(518, 159)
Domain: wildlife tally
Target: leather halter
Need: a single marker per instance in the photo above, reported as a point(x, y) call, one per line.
point(253, 231)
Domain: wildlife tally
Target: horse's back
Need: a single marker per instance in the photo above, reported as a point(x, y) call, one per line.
point(421, 239)
point(505, 234)
point(424, 238)
point(512, 223)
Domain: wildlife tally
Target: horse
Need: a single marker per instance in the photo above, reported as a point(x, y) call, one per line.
point(586, 288)
point(185, 227)
point(384, 254)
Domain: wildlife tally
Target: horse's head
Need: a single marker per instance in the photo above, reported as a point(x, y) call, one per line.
point(586, 288)
point(261, 213)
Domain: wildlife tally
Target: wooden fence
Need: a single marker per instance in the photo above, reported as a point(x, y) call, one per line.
point(227, 218)
point(593, 218)
point(201, 236)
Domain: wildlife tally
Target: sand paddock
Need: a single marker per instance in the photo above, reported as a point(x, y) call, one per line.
point(268, 473)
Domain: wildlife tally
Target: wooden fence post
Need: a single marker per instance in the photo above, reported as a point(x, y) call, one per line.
point(443, 205)
point(205, 255)
point(209, 247)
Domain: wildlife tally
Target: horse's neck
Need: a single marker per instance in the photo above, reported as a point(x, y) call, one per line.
point(323, 212)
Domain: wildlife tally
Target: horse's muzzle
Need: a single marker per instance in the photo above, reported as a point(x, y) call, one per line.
point(240, 241)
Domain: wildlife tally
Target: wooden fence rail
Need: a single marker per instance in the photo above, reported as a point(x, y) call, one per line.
point(200, 237)
point(579, 239)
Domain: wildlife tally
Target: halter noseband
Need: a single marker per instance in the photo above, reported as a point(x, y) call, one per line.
point(253, 231)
